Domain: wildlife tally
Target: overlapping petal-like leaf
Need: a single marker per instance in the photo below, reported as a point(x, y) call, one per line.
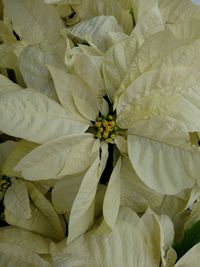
point(33, 116)
point(44, 220)
point(63, 156)
point(21, 247)
point(131, 238)
point(16, 199)
point(31, 20)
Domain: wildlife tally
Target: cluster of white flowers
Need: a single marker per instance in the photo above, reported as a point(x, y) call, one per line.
point(99, 133)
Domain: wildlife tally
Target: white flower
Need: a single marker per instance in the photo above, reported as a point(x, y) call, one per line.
point(134, 241)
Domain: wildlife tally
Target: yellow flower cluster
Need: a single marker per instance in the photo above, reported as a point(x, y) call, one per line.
point(107, 129)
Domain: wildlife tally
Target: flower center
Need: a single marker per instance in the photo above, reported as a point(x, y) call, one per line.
point(107, 129)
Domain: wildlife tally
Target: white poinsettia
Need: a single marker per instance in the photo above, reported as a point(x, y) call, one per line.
point(74, 11)
point(30, 20)
point(97, 31)
point(25, 204)
point(103, 23)
point(70, 147)
point(27, 208)
point(73, 154)
point(16, 198)
point(20, 247)
point(153, 107)
point(134, 241)
point(148, 112)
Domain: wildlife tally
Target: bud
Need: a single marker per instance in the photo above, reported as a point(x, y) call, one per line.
point(98, 124)
point(105, 135)
point(100, 130)
point(98, 135)
point(108, 140)
point(104, 123)
point(110, 117)
point(113, 136)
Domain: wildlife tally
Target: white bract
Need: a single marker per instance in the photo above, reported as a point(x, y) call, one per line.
point(141, 96)
point(134, 241)
point(19, 247)
point(38, 25)
point(156, 111)
point(140, 19)
point(158, 107)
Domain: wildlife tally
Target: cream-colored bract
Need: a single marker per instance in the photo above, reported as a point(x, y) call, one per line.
point(7, 85)
point(31, 20)
point(21, 247)
point(131, 238)
point(111, 201)
point(16, 199)
point(160, 117)
point(41, 118)
point(63, 156)
point(96, 31)
point(147, 79)
point(44, 220)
